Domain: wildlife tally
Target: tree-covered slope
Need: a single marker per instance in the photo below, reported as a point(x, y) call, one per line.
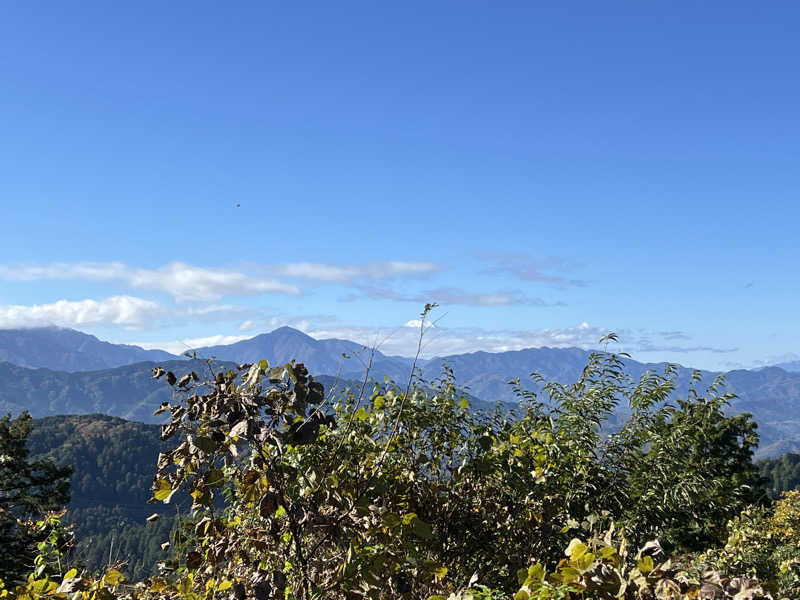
point(114, 462)
point(782, 473)
point(129, 392)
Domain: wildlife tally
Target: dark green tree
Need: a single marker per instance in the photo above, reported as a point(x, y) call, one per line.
point(28, 488)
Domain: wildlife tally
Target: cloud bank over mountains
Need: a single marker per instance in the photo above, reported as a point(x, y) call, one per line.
point(179, 305)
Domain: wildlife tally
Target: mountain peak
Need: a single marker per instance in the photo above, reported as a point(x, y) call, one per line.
point(286, 330)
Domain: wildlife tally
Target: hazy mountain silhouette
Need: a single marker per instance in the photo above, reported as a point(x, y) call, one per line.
point(63, 349)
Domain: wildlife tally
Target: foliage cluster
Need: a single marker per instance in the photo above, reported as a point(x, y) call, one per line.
point(390, 491)
point(765, 543)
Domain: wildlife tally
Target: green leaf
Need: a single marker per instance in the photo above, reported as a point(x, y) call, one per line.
point(391, 520)
point(421, 528)
point(215, 477)
point(205, 444)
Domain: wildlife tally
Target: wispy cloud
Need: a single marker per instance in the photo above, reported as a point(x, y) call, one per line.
point(351, 273)
point(191, 283)
point(674, 335)
point(683, 349)
point(122, 311)
point(445, 296)
point(526, 268)
point(645, 341)
point(182, 281)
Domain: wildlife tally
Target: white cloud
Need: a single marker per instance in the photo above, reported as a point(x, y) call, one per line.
point(182, 281)
point(181, 346)
point(123, 311)
point(417, 323)
point(441, 341)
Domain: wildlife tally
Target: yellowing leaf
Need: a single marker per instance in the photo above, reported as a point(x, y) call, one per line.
point(576, 548)
point(113, 577)
point(535, 573)
point(645, 564)
point(162, 490)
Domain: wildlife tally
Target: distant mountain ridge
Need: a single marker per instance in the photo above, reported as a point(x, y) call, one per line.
point(320, 356)
point(792, 366)
point(771, 394)
point(64, 349)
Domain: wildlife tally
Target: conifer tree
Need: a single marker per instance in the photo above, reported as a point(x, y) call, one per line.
point(28, 488)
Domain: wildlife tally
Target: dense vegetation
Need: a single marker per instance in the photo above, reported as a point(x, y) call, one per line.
point(406, 492)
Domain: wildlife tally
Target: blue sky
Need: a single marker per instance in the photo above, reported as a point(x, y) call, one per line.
point(546, 172)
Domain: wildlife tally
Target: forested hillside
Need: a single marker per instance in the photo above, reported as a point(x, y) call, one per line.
point(114, 462)
point(782, 473)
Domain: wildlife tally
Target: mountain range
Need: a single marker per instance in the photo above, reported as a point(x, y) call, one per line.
point(55, 371)
point(63, 349)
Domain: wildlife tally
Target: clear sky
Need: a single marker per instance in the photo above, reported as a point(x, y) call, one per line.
point(545, 171)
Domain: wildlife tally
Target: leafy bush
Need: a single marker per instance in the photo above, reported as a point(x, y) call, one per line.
point(764, 543)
